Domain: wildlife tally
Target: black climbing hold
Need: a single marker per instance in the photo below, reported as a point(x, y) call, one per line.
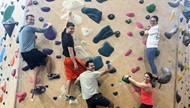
point(115, 93)
point(23, 7)
point(46, 86)
point(35, 2)
point(41, 19)
point(112, 84)
point(58, 56)
point(182, 82)
point(2, 12)
point(187, 21)
point(147, 17)
point(1, 74)
point(12, 2)
point(189, 105)
point(8, 79)
point(181, 19)
point(141, 1)
point(17, 0)
point(117, 34)
point(3, 103)
point(128, 21)
point(54, 98)
point(141, 33)
point(117, 107)
point(111, 16)
point(6, 92)
point(9, 65)
point(107, 62)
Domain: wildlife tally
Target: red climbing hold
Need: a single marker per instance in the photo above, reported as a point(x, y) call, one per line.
point(29, 3)
point(12, 61)
point(13, 72)
point(21, 96)
point(130, 14)
point(144, 42)
point(130, 34)
point(1, 98)
point(139, 58)
point(135, 69)
point(3, 86)
point(139, 25)
point(128, 52)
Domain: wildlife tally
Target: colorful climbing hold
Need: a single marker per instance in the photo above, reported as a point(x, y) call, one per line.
point(151, 7)
point(139, 58)
point(12, 61)
point(133, 70)
point(50, 33)
point(172, 32)
point(57, 42)
point(13, 72)
point(3, 86)
point(1, 97)
point(157, 53)
point(130, 14)
point(111, 16)
point(130, 34)
point(117, 33)
point(141, 33)
point(144, 41)
point(178, 96)
point(174, 4)
point(41, 19)
point(58, 56)
point(25, 68)
point(173, 14)
point(106, 49)
point(115, 93)
point(47, 51)
point(141, 1)
point(147, 17)
point(139, 25)
point(126, 79)
point(128, 21)
point(45, 9)
point(35, 2)
point(128, 52)
point(21, 96)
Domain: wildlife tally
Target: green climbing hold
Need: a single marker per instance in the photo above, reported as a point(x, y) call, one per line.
point(1, 74)
point(10, 45)
point(141, 33)
point(7, 78)
point(3, 103)
point(128, 21)
point(5, 58)
point(126, 79)
point(8, 12)
point(157, 53)
point(151, 8)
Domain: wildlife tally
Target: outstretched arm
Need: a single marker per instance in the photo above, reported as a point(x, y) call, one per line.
point(67, 19)
point(138, 84)
point(107, 71)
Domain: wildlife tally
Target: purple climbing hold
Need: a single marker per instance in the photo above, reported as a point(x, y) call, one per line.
point(47, 51)
point(50, 33)
point(25, 68)
point(50, 0)
point(58, 56)
point(57, 42)
point(45, 9)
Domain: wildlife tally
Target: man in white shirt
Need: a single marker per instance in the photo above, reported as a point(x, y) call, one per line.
point(89, 86)
point(153, 34)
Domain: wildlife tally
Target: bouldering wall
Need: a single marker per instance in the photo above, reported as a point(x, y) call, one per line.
point(182, 79)
point(120, 24)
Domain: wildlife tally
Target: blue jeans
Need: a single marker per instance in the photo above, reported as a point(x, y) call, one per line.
point(150, 53)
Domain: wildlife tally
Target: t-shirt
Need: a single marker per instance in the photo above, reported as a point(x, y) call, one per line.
point(153, 37)
point(146, 97)
point(67, 41)
point(89, 84)
point(27, 37)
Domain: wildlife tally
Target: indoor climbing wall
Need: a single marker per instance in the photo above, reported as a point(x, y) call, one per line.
point(182, 80)
point(9, 53)
point(107, 32)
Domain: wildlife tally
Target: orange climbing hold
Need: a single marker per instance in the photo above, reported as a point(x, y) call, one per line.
point(1, 97)
point(3, 86)
point(12, 61)
point(21, 96)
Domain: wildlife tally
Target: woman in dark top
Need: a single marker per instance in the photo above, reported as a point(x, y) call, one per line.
point(73, 66)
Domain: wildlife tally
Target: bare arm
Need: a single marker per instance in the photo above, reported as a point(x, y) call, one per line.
point(138, 84)
point(107, 71)
point(71, 53)
point(67, 19)
point(146, 30)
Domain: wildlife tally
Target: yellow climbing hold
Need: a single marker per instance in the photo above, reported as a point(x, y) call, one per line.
point(173, 14)
point(183, 73)
point(180, 29)
point(169, 61)
point(173, 50)
point(179, 52)
point(179, 77)
point(186, 67)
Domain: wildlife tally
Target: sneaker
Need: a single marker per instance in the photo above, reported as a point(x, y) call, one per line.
point(38, 90)
point(155, 79)
point(53, 76)
point(69, 97)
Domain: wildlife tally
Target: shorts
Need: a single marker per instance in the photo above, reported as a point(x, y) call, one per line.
point(145, 106)
point(69, 68)
point(34, 58)
point(97, 99)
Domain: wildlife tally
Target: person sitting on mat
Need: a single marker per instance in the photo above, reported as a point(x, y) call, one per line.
point(33, 57)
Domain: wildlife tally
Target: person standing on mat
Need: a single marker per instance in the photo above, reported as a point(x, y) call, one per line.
point(33, 57)
point(89, 86)
point(73, 66)
point(153, 33)
point(146, 89)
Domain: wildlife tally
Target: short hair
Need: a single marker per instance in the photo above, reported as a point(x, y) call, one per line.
point(156, 17)
point(70, 24)
point(29, 15)
point(87, 63)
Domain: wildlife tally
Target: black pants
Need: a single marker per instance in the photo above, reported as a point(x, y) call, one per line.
point(145, 106)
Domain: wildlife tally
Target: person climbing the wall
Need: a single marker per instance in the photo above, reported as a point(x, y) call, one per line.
point(146, 89)
point(89, 86)
point(153, 34)
point(73, 66)
point(33, 57)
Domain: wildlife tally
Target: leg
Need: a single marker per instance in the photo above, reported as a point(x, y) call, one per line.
point(36, 71)
point(68, 86)
point(150, 56)
point(49, 65)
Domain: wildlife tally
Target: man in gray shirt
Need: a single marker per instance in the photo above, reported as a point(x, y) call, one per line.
point(34, 57)
point(89, 86)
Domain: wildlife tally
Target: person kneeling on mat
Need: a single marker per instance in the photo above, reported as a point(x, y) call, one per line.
point(146, 89)
point(33, 57)
point(89, 86)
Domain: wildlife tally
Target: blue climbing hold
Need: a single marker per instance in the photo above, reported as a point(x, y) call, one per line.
point(50, 33)
point(47, 51)
point(97, 62)
point(108, 65)
point(2, 54)
point(93, 13)
point(106, 49)
point(101, 1)
point(87, 0)
point(45, 9)
point(115, 93)
point(103, 34)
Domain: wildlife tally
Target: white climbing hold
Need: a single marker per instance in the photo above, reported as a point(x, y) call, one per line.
point(172, 32)
point(86, 31)
point(82, 42)
point(74, 18)
point(81, 53)
point(72, 4)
